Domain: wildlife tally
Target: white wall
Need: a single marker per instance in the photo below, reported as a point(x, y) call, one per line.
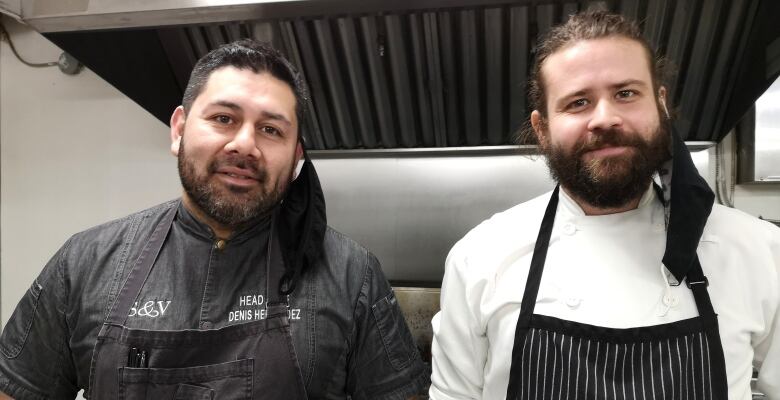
point(13, 7)
point(74, 152)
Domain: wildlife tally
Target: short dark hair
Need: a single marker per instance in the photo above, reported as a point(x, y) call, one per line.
point(247, 54)
point(586, 26)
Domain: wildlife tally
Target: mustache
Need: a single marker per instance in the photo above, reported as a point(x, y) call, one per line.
point(241, 162)
point(608, 138)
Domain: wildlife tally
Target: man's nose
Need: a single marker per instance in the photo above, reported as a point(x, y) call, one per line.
point(605, 117)
point(244, 142)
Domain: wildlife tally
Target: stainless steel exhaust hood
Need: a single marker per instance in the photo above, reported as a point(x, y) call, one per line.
point(413, 74)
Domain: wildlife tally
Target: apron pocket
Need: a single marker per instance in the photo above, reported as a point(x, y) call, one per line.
point(229, 381)
point(191, 392)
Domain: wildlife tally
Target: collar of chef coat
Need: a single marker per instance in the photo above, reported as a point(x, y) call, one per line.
point(199, 229)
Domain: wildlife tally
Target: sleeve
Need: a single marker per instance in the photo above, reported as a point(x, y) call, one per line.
point(460, 345)
point(34, 355)
point(384, 363)
point(767, 347)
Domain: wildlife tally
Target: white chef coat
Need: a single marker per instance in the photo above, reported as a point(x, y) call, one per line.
point(606, 271)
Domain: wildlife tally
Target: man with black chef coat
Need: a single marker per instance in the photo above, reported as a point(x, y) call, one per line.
point(238, 290)
point(624, 282)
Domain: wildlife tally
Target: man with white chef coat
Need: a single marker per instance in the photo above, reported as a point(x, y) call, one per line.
point(623, 282)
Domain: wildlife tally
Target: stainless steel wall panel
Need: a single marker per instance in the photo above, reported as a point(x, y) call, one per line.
point(410, 210)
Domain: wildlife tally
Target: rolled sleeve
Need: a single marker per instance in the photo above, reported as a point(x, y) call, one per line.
point(34, 360)
point(384, 363)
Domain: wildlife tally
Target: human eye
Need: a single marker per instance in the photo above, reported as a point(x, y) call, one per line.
point(626, 93)
point(270, 130)
point(222, 119)
point(577, 104)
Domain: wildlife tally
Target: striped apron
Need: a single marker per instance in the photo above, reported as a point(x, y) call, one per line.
point(558, 359)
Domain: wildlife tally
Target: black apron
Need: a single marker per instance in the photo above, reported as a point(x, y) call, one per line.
point(254, 360)
point(558, 359)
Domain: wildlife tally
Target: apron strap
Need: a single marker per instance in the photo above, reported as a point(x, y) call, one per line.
point(531, 292)
point(274, 271)
point(538, 260)
point(698, 282)
point(135, 280)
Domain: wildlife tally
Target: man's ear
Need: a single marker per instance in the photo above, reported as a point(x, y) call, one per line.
point(177, 129)
point(662, 100)
point(298, 152)
point(537, 125)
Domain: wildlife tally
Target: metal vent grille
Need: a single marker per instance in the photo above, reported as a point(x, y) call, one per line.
point(454, 77)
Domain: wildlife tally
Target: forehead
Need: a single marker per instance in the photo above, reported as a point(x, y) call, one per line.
point(250, 90)
point(595, 63)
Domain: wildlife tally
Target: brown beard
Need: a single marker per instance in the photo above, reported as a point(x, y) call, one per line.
point(613, 181)
point(230, 206)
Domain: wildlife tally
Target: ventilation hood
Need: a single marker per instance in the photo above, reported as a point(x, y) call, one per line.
point(415, 74)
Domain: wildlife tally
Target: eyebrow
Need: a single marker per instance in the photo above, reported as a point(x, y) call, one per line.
point(266, 114)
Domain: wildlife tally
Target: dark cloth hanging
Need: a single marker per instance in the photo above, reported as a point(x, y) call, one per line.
point(691, 204)
point(302, 225)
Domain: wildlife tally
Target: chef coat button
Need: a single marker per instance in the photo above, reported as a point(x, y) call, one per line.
point(220, 244)
point(658, 227)
point(573, 302)
point(671, 300)
point(206, 325)
point(569, 228)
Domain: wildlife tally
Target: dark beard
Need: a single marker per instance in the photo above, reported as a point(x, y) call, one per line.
point(230, 206)
point(609, 182)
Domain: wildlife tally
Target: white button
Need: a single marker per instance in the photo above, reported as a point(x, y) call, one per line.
point(569, 228)
point(658, 227)
point(671, 300)
point(573, 302)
